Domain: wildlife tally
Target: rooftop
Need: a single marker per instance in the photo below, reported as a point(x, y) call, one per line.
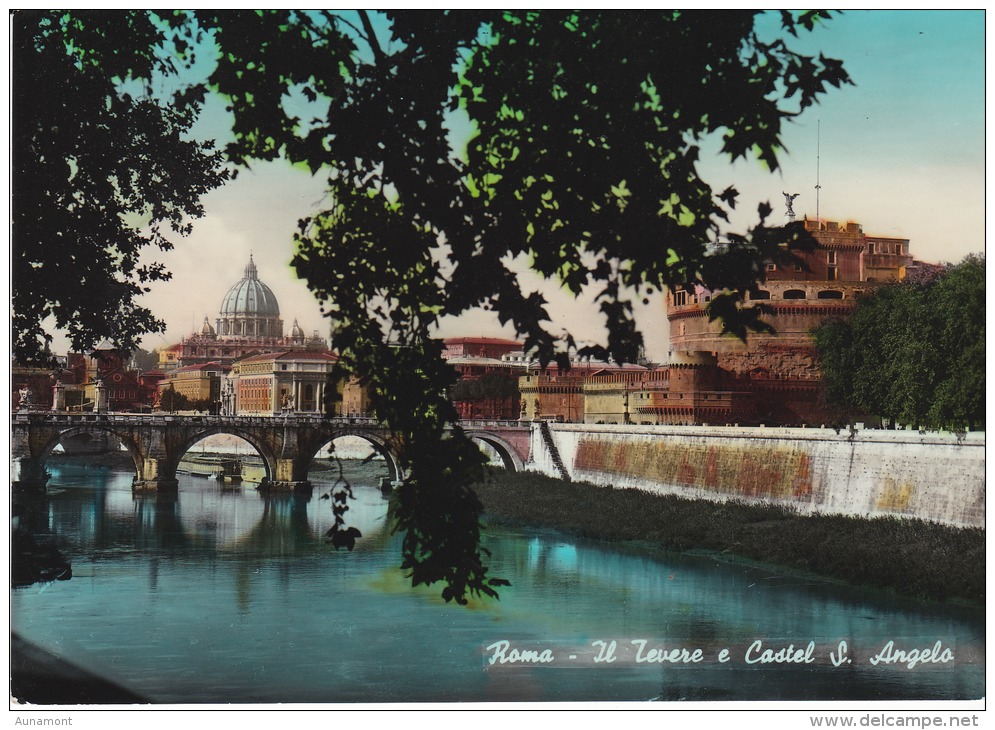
point(292, 356)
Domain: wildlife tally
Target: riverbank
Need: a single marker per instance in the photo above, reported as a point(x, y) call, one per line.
point(907, 556)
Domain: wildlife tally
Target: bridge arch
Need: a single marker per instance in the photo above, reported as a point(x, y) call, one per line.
point(124, 437)
point(380, 444)
point(509, 455)
point(191, 438)
point(287, 446)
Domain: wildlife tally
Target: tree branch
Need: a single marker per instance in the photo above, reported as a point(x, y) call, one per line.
point(371, 37)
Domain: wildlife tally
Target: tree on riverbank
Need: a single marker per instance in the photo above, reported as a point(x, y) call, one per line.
point(913, 353)
point(582, 159)
point(582, 134)
point(100, 165)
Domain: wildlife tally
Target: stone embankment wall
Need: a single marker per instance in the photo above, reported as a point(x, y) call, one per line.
point(867, 473)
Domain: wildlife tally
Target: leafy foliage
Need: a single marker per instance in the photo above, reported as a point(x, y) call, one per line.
point(173, 401)
point(340, 535)
point(143, 359)
point(100, 166)
point(582, 161)
point(913, 353)
point(487, 386)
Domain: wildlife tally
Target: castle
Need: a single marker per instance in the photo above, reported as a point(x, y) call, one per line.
point(711, 378)
point(775, 378)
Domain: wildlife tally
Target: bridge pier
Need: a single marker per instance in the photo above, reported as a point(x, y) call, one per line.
point(157, 443)
point(288, 476)
point(155, 486)
point(27, 474)
point(297, 487)
point(155, 476)
point(161, 486)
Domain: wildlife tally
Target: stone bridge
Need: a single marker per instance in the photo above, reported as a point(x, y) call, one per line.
point(158, 442)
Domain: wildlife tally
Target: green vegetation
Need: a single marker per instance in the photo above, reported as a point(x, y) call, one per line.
point(489, 386)
point(913, 352)
point(100, 166)
point(582, 162)
point(907, 556)
point(582, 134)
point(143, 359)
point(173, 401)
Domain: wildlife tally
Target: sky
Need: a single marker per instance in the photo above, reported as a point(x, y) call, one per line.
point(901, 152)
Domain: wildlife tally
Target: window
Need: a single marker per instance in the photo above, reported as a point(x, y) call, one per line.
point(870, 247)
point(771, 267)
point(680, 298)
point(761, 294)
point(794, 294)
point(830, 294)
point(831, 258)
point(831, 274)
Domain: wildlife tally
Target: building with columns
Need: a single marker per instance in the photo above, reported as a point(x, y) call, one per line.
point(278, 383)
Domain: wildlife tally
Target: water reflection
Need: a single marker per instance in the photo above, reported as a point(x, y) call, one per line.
point(203, 515)
point(222, 595)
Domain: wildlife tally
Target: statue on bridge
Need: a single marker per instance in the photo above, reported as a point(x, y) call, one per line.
point(228, 398)
point(25, 399)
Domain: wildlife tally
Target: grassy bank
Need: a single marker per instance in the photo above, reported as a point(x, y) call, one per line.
point(910, 557)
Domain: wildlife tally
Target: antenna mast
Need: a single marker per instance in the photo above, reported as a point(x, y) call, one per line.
point(818, 151)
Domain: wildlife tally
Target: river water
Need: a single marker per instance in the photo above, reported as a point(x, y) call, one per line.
point(223, 595)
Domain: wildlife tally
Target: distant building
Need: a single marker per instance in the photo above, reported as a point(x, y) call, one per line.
point(355, 399)
point(608, 394)
point(276, 383)
point(478, 347)
point(780, 371)
point(489, 369)
point(200, 384)
point(248, 323)
point(553, 394)
point(169, 357)
point(98, 381)
point(690, 390)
